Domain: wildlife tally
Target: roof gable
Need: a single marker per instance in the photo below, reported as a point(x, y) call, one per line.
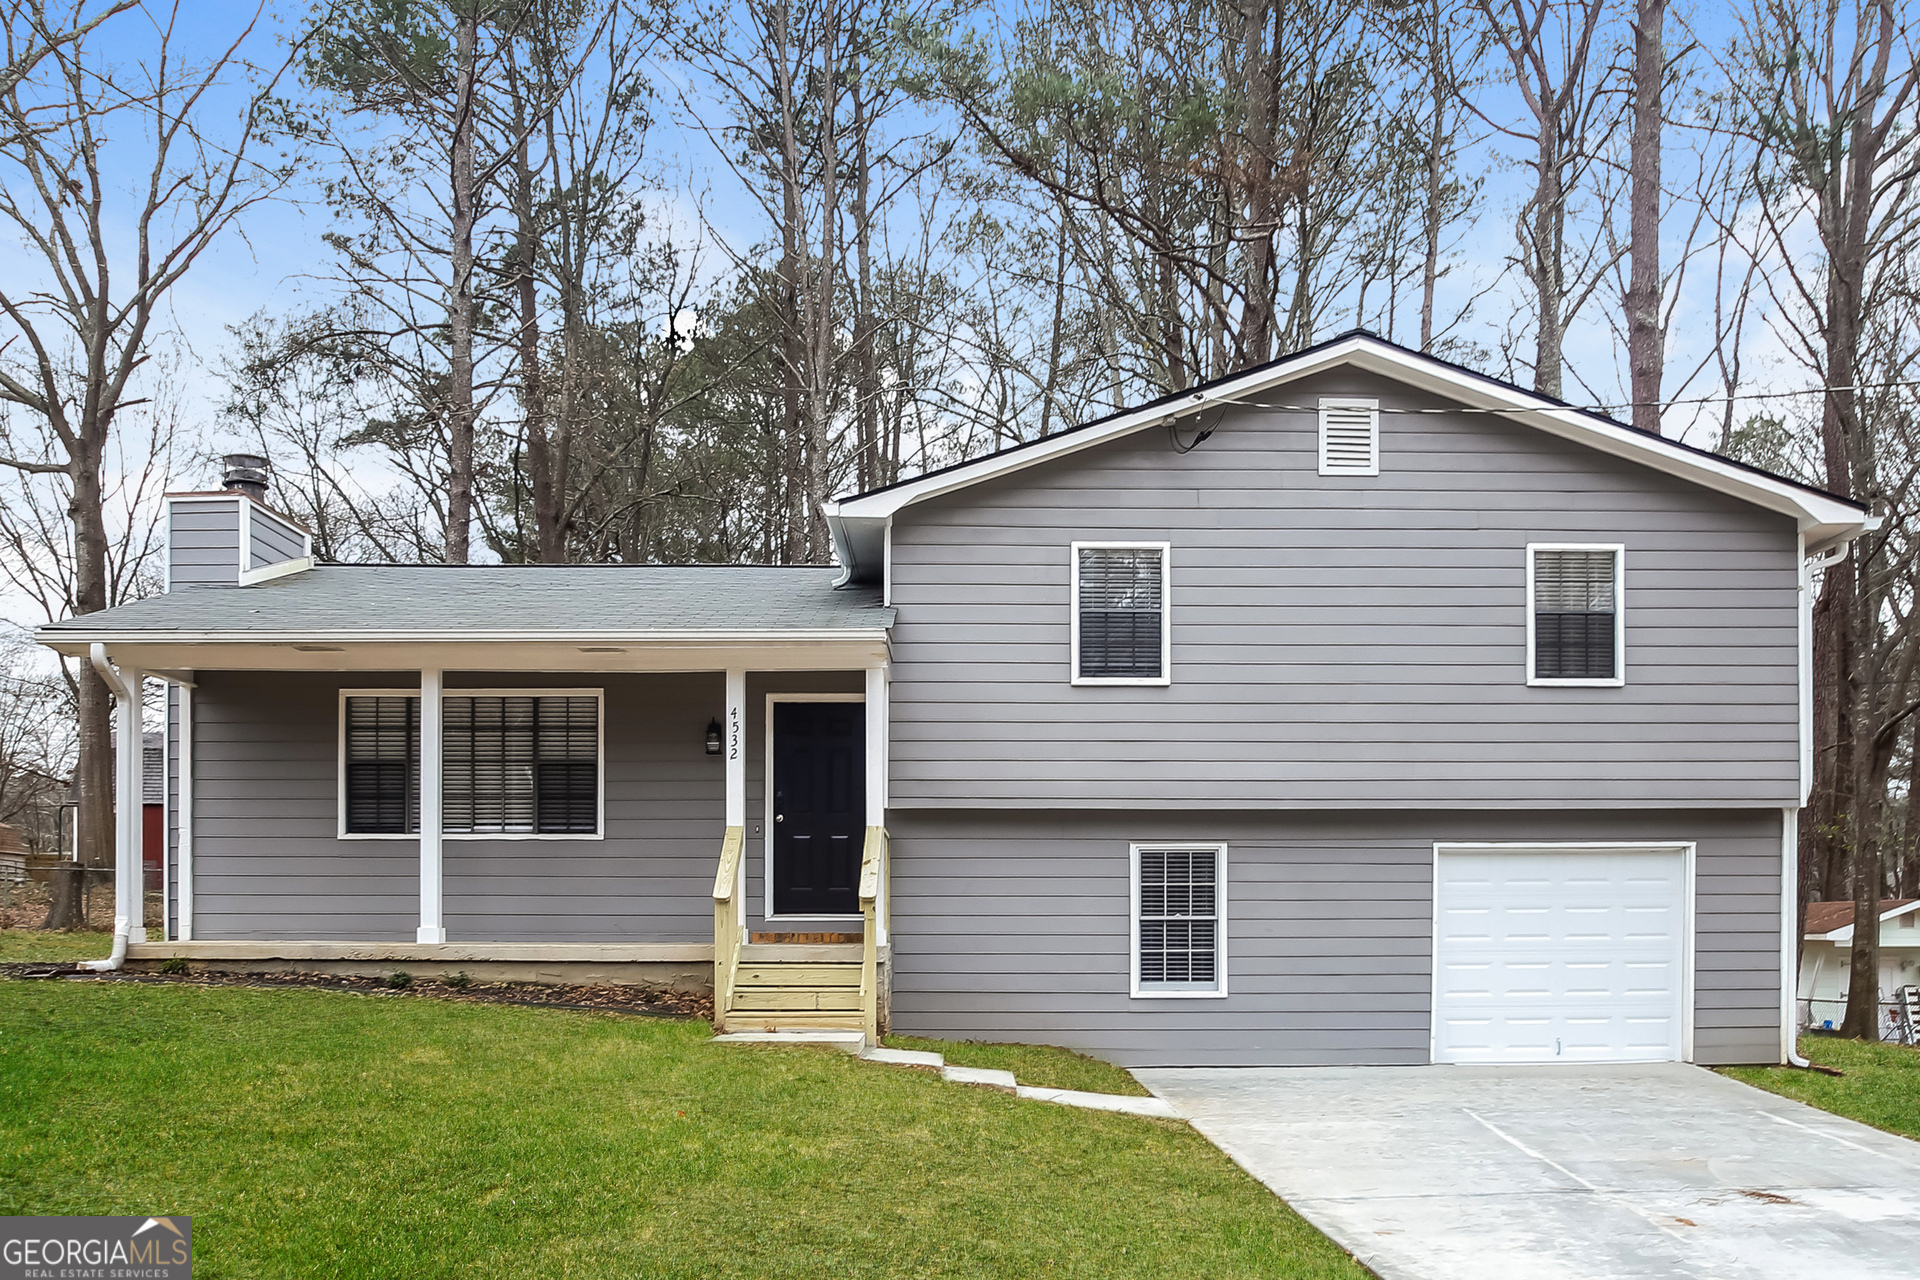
point(859, 521)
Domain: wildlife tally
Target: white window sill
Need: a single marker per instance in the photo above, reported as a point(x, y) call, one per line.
point(1544, 682)
point(1148, 993)
point(475, 835)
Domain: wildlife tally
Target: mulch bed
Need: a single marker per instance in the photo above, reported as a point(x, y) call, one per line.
point(636, 1001)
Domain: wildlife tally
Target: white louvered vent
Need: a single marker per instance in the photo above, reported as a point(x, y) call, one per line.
point(1349, 437)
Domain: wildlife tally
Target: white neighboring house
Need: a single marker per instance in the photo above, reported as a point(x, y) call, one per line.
point(1826, 959)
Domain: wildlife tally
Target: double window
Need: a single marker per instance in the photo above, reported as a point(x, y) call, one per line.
point(1179, 939)
point(1576, 629)
point(511, 764)
point(1119, 621)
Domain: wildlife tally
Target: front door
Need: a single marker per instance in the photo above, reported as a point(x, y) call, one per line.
point(819, 807)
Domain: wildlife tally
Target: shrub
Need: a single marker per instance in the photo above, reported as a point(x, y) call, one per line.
point(175, 965)
point(459, 981)
point(399, 979)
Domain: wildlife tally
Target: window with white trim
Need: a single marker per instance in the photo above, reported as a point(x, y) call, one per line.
point(382, 752)
point(511, 764)
point(1575, 628)
point(1349, 437)
point(1120, 613)
point(1179, 893)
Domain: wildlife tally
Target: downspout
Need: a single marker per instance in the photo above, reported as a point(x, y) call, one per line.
point(1789, 939)
point(121, 923)
point(1790, 818)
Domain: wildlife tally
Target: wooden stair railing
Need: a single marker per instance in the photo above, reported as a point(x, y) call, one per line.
point(873, 909)
point(728, 924)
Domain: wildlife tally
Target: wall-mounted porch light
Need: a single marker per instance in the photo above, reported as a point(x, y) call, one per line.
point(713, 737)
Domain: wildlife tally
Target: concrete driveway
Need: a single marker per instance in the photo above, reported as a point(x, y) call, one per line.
point(1637, 1172)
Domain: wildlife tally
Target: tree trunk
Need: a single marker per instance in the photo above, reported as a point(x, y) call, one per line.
point(1645, 341)
point(1431, 216)
point(460, 317)
point(1549, 219)
point(64, 911)
point(867, 372)
point(1260, 78)
point(792, 300)
point(93, 770)
point(548, 491)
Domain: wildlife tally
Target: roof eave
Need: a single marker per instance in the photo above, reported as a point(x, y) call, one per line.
point(75, 643)
point(1825, 521)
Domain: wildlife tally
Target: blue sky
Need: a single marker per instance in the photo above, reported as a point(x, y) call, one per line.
point(272, 264)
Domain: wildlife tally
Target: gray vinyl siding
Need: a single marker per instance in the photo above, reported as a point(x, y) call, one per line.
point(274, 540)
point(266, 863)
point(269, 864)
point(203, 543)
point(1343, 640)
point(1014, 927)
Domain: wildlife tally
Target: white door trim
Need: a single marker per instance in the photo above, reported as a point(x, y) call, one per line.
point(1689, 936)
point(766, 797)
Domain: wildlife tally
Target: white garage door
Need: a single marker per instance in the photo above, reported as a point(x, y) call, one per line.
point(1560, 955)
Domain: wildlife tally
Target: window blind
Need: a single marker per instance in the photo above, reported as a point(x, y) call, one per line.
point(1179, 918)
point(511, 764)
point(1122, 612)
point(383, 765)
point(1575, 636)
point(521, 764)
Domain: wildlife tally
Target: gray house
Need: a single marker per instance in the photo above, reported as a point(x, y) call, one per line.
point(1354, 709)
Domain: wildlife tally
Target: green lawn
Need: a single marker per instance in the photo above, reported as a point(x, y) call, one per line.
point(1047, 1068)
point(1881, 1086)
point(315, 1133)
point(40, 944)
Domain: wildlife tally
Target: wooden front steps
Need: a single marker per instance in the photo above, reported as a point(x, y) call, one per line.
point(782, 986)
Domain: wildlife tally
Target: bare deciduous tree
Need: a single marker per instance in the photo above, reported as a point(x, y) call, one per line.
point(116, 182)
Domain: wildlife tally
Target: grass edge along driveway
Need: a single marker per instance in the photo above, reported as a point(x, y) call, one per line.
point(314, 1133)
point(1880, 1087)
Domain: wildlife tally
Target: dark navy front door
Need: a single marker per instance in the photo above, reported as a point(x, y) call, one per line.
point(819, 807)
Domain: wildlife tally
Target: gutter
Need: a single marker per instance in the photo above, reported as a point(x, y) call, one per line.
point(118, 957)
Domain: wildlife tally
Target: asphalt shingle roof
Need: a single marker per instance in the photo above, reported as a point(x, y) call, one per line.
point(590, 599)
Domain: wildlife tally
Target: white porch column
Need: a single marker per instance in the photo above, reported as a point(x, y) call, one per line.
point(877, 784)
point(129, 867)
point(432, 924)
point(877, 746)
point(185, 773)
point(735, 746)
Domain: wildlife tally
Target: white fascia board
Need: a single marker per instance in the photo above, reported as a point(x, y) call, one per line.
point(66, 640)
point(267, 573)
point(1826, 520)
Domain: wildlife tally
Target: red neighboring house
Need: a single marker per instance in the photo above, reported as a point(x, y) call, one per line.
point(153, 808)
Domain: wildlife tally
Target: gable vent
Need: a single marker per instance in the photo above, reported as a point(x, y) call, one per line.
point(1349, 437)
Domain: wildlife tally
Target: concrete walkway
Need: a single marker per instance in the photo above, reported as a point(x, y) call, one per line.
point(1540, 1173)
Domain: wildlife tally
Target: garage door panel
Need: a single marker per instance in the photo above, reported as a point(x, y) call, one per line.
point(1559, 955)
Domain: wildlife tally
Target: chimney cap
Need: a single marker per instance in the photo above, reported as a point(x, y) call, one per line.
point(247, 473)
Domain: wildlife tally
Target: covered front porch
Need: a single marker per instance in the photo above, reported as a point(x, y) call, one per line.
point(667, 810)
